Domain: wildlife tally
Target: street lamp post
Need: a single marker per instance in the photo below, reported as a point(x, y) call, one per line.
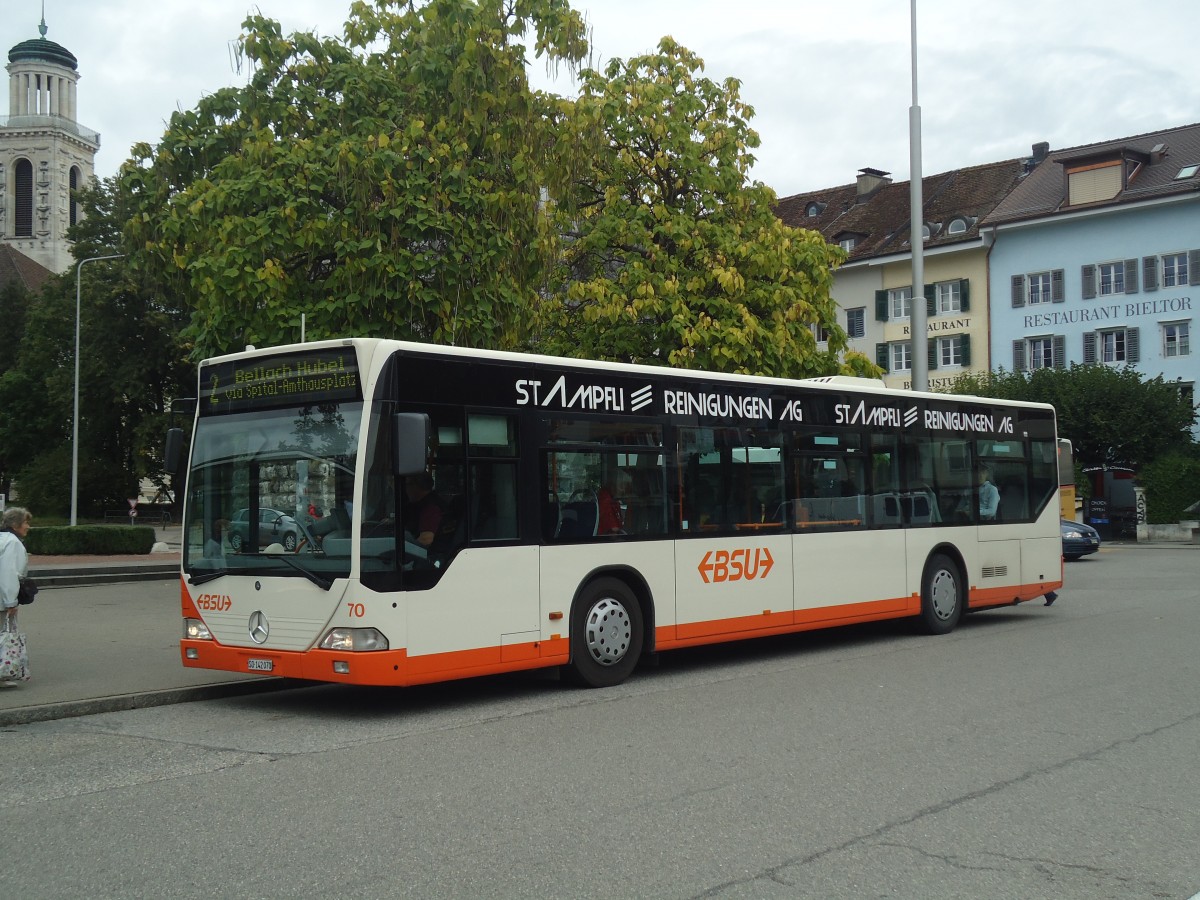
point(919, 361)
point(75, 417)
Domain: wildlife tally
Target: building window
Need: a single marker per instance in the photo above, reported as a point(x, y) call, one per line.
point(949, 297)
point(856, 322)
point(1187, 172)
point(900, 357)
point(1039, 288)
point(949, 352)
point(1176, 339)
point(957, 226)
point(1112, 346)
point(1041, 353)
point(1112, 278)
point(23, 184)
point(1116, 345)
point(820, 333)
point(1047, 352)
point(899, 303)
point(1174, 269)
point(847, 243)
point(1043, 287)
point(1187, 391)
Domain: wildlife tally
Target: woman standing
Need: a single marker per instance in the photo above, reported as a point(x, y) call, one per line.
point(14, 564)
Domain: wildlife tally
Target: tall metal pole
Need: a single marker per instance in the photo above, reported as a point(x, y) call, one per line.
point(75, 417)
point(917, 317)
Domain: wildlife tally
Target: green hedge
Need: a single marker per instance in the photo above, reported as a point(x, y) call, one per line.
point(89, 540)
point(1172, 484)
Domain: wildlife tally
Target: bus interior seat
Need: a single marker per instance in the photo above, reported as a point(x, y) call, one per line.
point(580, 518)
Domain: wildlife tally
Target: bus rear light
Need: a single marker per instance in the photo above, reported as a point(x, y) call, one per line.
point(354, 639)
point(195, 630)
point(192, 653)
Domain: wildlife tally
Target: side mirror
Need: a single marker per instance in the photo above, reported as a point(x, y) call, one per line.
point(410, 443)
point(173, 453)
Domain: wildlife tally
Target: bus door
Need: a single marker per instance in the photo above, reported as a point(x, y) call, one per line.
point(733, 567)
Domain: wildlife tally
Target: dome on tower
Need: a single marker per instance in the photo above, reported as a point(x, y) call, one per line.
point(43, 50)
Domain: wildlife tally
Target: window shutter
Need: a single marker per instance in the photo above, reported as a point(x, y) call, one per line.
point(1057, 295)
point(1089, 347)
point(1131, 276)
point(964, 348)
point(1018, 290)
point(1060, 351)
point(881, 356)
point(1088, 275)
point(964, 294)
point(1018, 356)
point(1150, 273)
point(931, 353)
point(1194, 267)
point(881, 306)
point(1133, 345)
point(931, 299)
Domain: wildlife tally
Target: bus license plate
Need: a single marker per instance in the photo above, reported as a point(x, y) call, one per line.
point(260, 665)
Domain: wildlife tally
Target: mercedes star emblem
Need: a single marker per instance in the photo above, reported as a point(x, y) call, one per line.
point(259, 626)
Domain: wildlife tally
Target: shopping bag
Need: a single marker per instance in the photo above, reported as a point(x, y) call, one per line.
point(14, 656)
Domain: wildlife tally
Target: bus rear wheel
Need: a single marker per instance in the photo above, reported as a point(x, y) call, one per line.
point(942, 595)
point(606, 633)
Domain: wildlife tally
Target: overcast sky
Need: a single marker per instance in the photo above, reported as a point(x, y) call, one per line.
point(831, 83)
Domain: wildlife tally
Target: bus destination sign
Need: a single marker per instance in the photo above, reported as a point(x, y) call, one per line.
point(293, 379)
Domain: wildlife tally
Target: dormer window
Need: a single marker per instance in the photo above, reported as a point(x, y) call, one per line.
point(848, 243)
point(1187, 172)
point(957, 226)
point(1099, 181)
point(813, 210)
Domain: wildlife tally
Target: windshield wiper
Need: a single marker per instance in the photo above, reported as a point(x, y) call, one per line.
point(316, 579)
point(211, 576)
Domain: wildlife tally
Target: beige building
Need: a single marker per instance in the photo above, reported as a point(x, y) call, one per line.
point(873, 289)
point(45, 154)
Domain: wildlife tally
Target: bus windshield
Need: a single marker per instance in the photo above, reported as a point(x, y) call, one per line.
point(267, 490)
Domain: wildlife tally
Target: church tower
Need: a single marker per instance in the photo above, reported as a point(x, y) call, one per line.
point(45, 153)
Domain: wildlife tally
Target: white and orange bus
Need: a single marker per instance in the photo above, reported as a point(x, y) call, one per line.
point(584, 514)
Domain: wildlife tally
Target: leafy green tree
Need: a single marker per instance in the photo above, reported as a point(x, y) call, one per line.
point(1113, 416)
point(669, 256)
point(132, 363)
point(386, 182)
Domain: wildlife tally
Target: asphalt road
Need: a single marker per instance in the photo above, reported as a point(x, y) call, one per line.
point(1034, 752)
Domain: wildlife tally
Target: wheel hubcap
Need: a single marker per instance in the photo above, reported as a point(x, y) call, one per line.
point(943, 593)
point(608, 632)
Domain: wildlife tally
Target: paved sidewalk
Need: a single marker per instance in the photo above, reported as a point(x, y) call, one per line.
point(89, 653)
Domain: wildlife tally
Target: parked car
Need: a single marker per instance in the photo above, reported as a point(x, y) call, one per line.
point(1078, 539)
point(274, 527)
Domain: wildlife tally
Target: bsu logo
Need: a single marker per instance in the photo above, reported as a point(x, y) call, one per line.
point(735, 565)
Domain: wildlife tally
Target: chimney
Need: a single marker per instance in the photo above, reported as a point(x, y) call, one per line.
point(1158, 153)
point(871, 180)
point(1040, 151)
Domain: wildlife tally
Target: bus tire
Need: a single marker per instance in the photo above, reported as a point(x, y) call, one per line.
point(606, 633)
point(942, 595)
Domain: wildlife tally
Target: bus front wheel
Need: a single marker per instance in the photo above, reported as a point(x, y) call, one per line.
point(606, 633)
point(942, 595)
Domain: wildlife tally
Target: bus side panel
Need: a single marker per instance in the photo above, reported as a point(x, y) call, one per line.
point(837, 569)
point(564, 568)
point(733, 584)
point(485, 595)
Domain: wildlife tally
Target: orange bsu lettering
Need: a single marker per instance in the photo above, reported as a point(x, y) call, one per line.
point(736, 565)
point(214, 602)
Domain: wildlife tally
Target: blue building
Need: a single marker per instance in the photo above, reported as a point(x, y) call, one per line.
point(1095, 257)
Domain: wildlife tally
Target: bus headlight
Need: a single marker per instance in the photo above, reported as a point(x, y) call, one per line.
point(354, 639)
point(195, 630)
